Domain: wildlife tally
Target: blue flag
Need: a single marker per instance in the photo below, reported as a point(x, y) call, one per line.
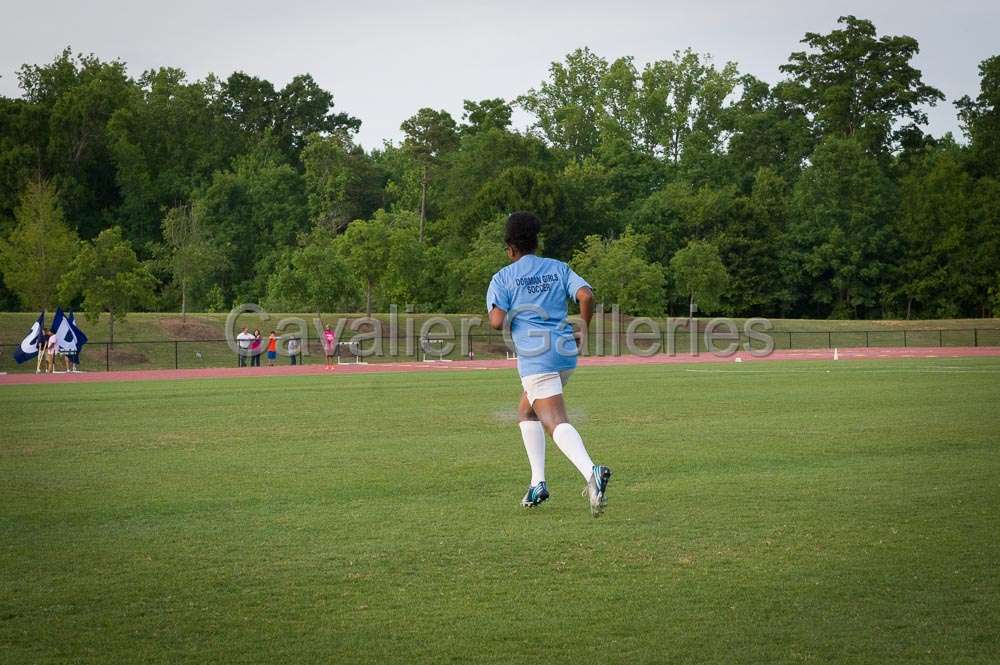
point(29, 345)
point(67, 340)
point(81, 339)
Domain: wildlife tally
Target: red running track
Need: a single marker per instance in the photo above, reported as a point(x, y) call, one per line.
point(460, 365)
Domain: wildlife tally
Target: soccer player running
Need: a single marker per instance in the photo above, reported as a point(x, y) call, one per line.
point(531, 293)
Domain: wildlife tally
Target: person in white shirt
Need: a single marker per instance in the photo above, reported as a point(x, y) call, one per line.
point(244, 339)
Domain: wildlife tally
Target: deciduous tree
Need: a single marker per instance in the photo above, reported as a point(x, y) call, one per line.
point(365, 247)
point(700, 275)
point(430, 135)
point(110, 279)
point(39, 249)
point(856, 84)
point(484, 115)
point(193, 256)
point(342, 183)
point(567, 105)
point(621, 274)
point(315, 278)
point(980, 119)
point(841, 233)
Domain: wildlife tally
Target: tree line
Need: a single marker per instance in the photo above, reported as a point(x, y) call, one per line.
point(675, 182)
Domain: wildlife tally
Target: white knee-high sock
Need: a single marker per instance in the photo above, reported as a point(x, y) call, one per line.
point(569, 441)
point(534, 444)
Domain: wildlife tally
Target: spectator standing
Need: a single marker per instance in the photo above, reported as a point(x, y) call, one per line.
point(293, 350)
point(256, 349)
point(272, 348)
point(329, 344)
point(243, 340)
point(51, 350)
point(66, 354)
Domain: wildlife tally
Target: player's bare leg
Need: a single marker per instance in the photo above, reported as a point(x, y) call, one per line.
point(551, 411)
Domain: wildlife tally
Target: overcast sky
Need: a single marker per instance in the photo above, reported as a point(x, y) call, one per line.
point(384, 60)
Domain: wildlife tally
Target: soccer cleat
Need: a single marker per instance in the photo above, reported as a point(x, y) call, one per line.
point(535, 495)
point(596, 487)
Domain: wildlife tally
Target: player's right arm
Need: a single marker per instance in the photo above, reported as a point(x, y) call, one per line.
point(497, 302)
point(497, 316)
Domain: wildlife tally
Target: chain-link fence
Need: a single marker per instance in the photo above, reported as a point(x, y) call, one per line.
point(188, 354)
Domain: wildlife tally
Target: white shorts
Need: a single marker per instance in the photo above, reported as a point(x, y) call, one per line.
point(546, 384)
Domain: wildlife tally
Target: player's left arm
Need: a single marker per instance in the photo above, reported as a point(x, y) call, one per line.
point(585, 298)
point(581, 292)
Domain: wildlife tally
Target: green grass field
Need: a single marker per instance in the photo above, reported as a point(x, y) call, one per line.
point(784, 512)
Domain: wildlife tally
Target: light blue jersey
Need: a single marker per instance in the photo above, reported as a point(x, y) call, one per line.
point(533, 290)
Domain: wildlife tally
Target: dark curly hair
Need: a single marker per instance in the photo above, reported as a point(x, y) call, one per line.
point(521, 232)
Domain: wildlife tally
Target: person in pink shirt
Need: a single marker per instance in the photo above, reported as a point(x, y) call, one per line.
point(51, 349)
point(329, 344)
